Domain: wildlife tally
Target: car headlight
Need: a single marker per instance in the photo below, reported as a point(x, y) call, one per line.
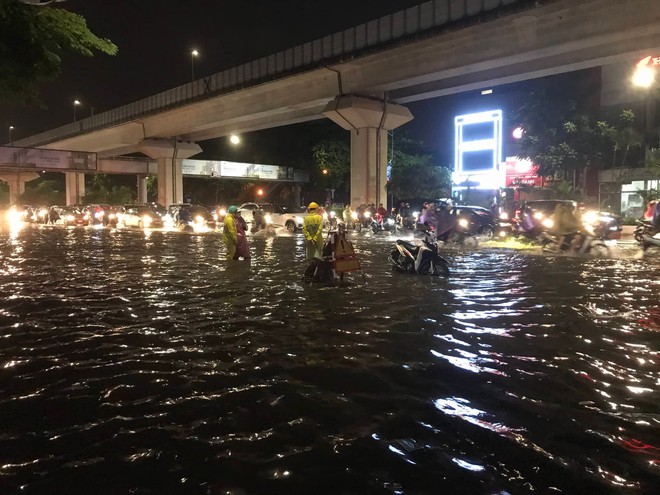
point(538, 215)
point(504, 215)
point(354, 215)
point(463, 223)
point(146, 220)
point(268, 219)
point(70, 218)
point(548, 223)
point(367, 214)
point(199, 219)
point(299, 220)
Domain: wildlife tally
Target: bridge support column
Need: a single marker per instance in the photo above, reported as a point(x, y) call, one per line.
point(142, 188)
point(368, 120)
point(16, 183)
point(75, 187)
point(169, 154)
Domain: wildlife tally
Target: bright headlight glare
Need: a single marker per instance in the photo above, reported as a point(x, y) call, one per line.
point(70, 218)
point(463, 223)
point(548, 223)
point(199, 219)
point(268, 219)
point(590, 217)
point(367, 214)
point(112, 215)
point(325, 216)
point(223, 212)
point(146, 220)
point(299, 220)
point(390, 221)
point(215, 217)
point(504, 215)
point(354, 215)
point(538, 215)
point(98, 215)
point(415, 215)
point(333, 214)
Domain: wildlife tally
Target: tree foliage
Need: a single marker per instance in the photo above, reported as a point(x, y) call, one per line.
point(415, 173)
point(33, 40)
point(334, 157)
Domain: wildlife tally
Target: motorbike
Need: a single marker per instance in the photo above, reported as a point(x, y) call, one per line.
point(419, 259)
point(590, 242)
point(651, 241)
point(643, 230)
point(380, 224)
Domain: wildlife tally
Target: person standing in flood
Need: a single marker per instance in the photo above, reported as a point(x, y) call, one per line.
point(242, 248)
point(229, 232)
point(313, 232)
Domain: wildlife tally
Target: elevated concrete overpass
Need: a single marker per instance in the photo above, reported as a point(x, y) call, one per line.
point(360, 77)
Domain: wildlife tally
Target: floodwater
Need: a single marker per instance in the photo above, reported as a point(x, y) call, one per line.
point(147, 364)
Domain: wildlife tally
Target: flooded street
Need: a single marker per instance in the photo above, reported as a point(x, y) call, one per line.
point(147, 364)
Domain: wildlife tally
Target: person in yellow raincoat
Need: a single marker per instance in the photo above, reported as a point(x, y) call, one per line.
point(313, 232)
point(229, 232)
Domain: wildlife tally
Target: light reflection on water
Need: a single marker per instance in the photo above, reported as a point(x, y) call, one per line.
point(143, 362)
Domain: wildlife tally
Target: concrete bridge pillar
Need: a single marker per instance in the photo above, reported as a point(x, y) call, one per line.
point(169, 154)
point(16, 181)
point(75, 187)
point(368, 119)
point(142, 188)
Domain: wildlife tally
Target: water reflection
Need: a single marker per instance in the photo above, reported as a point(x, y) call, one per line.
point(143, 362)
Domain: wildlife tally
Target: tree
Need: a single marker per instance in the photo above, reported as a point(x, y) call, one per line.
point(415, 173)
point(332, 160)
point(33, 39)
point(562, 140)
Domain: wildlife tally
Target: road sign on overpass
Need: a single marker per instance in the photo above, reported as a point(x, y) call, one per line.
point(35, 160)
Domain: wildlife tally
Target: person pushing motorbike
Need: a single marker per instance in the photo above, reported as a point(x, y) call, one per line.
point(313, 232)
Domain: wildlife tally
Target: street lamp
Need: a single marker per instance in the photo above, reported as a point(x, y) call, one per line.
point(75, 104)
point(234, 139)
point(644, 75)
point(193, 54)
point(11, 128)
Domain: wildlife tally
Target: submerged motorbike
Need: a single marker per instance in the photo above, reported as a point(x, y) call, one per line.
point(643, 230)
point(590, 242)
point(419, 259)
point(651, 241)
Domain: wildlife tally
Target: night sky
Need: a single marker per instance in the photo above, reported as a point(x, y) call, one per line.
point(155, 38)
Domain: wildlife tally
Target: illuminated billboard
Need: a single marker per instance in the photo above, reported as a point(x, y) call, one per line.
point(478, 138)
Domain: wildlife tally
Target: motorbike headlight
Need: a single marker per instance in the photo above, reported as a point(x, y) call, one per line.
point(268, 219)
point(112, 216)
point(502, 233)
point(390, 221)
point(463, 223)
point(333, 214)
point(86, 216)
point(548, 223)
point(504, 215)
point(223, 212)
point(415, 215)
point(538, 215)
point(42, 213)
point(146, 220)
point(325, 216)
point(589, 217)
point(199, 219)
point(98, 215)
point(299, 220)
point(354, 215)
point(215, 217)
point(70, 218)
point(367, 214)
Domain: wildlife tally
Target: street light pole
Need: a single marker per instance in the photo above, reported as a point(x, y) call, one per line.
point(11, 128)
point(193, 54)
point(75, 104)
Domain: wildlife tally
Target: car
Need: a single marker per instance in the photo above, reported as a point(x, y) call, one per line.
point(541, 211)
point(70, 216)
point(201, 216)
point(276, 215)
point(476, 220)
point(141, 216)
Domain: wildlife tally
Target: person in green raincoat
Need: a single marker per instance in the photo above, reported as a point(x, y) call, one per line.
point(313, 232)
point(229, 232)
